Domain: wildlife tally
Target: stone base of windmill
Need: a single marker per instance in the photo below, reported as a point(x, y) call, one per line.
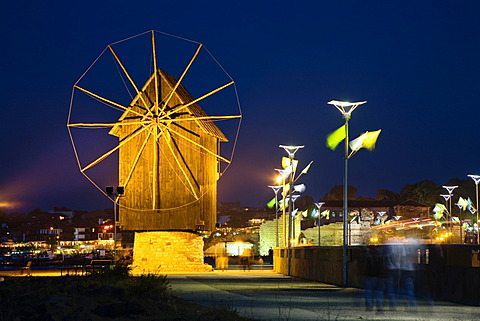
point(168, 251)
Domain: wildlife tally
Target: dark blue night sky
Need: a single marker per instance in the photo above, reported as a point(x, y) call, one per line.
point(415, 62)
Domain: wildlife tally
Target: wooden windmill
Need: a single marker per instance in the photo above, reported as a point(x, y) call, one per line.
point(169, 151)
point(170, 166)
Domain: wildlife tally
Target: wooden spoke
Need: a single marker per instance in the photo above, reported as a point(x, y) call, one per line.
point(109, 101)
point(129, 78)
point(103, 125)
point(181, 166)
point(199, 145)
point(123, 142)
point(199, 118)
point(155, 186)
point(135, 161)
point(181, 78)
point(176, 110)
point(154, 53)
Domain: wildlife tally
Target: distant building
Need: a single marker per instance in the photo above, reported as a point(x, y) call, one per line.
point(363, 215)
point(382, 210)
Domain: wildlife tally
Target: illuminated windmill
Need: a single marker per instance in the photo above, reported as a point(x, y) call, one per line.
point(168, 147)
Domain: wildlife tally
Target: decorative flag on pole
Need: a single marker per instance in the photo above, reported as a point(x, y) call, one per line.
point(285, 172)
point(305, 170)
point(326, 214)
point(335, 138)
point(271, 204)
point(300, 188)
point(286, 164)
point(470, 206)
point(366, 140)
point(463, 203)
point(356, 219)
point(438, 210)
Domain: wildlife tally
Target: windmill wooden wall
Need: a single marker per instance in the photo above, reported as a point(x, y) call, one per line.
point(168, 196)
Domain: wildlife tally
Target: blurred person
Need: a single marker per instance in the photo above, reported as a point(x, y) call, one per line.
point(374, 279)
point(221, 261)
point(246, 259)
point(407, 265)
point(394, 253)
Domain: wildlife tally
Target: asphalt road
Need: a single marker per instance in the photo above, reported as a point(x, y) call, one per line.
point(264, 295)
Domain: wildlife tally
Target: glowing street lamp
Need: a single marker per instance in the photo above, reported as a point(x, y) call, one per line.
point(346, 109)
point(476, 179)
point(276, 189)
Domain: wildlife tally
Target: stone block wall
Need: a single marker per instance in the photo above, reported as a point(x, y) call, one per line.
point(267, 234)
point(168, 251)
point(330, 235)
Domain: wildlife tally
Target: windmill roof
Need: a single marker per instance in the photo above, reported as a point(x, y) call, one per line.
point(195, 109)
point(181, 92)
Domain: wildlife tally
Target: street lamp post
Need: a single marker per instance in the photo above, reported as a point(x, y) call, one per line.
point(291, 150)
point(284, 174)
point(319, 205)
point(446, 197)
point(294, 214)
point(460, 220)
point(115, 196)
point(476, 179)
point(275, 189)
point(450, 193)
point(346, 108)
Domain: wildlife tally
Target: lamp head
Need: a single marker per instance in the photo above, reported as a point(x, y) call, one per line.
point(476, 178)
point(275, 188)
point(445, 196)
point(319, 205)
point(449, 188)
point(291, 150)
point(346, 107)
point(295, 197)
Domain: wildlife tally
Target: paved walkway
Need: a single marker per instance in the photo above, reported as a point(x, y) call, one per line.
point(265, 295)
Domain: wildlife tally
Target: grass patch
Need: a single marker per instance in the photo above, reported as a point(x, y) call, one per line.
point(113, 295)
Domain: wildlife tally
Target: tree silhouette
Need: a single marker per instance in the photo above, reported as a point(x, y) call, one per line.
point(336, 193)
